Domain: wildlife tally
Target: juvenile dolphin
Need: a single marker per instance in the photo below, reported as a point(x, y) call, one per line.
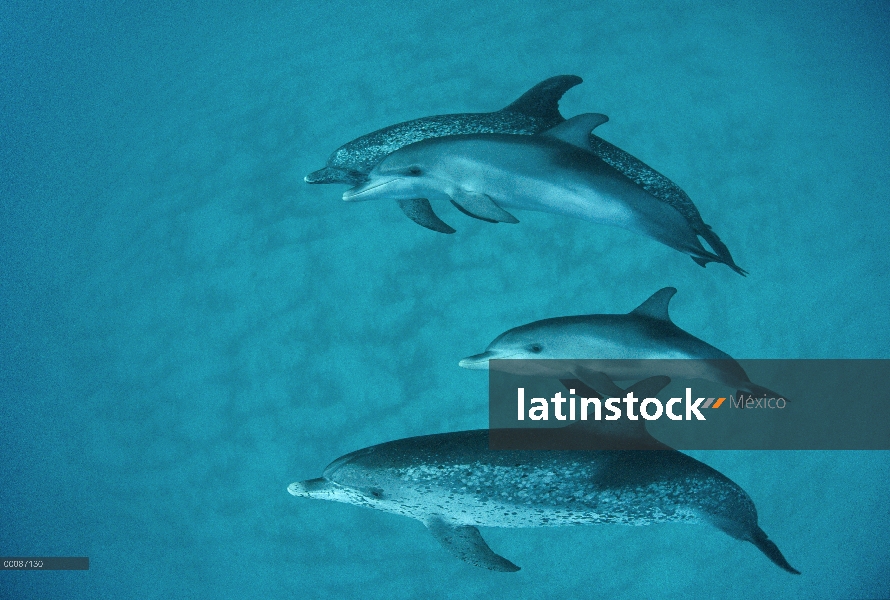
point(647, 332)
point(453, 483)
point(555, 172)
point(536, 110)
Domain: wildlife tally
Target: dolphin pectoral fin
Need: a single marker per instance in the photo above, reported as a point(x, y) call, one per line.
point(599, 381)
point(576, 131)
point(542, 101)
point(466, 543)
point(421, 212)
point(469, 214)
point(482, 207)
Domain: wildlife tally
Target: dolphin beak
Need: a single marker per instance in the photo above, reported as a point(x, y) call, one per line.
point(308, 488)
point(320, 176)
point(477, 361)
point(335, 175)
point(362, 192)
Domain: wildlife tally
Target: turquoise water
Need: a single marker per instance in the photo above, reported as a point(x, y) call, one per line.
point(186, 327)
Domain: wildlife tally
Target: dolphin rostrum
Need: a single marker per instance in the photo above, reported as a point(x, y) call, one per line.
point(536, 110)
point(453, 483)
point(647, 332)
point(556, 172)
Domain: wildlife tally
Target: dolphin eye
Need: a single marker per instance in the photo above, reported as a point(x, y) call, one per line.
point(536, 348)
point(414, 171)
point(376, 492)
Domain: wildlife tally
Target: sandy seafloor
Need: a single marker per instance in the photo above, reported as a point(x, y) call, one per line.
point(186, 327)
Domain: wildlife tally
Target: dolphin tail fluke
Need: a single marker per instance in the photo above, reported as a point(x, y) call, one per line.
point(721, 252)
point(703, 261)
point(768, 547)
point(542, 101)
point(466, 543)
point(421, 212)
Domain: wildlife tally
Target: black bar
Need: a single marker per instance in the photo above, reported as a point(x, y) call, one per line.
point(44, 563)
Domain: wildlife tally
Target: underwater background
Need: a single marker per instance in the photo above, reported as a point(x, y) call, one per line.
point(186, 327)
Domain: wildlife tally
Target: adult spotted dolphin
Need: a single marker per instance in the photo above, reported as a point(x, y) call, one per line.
point(555, 172)
point(646, 332)
point(453, 483)
point(536, 110)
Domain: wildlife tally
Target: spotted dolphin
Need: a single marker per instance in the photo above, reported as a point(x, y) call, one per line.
point(647, 332)
point(453, 483)
point(555, 172)
point(536, 110)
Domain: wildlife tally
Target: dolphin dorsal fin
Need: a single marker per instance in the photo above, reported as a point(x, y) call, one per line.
point(542, 101)
point(632, 431)
point(647, 388)
point(656, 307)
point(576, 131)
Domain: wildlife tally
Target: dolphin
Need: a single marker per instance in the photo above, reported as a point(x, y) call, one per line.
point(453, 483)
point(557, 172)
point(536, 110)
point(646, 332)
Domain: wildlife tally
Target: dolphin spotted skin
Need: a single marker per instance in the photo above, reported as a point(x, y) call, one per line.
point(647, 332)
point(536, 110)
point(665, 190)
point(453, 483)
point(555, 172)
